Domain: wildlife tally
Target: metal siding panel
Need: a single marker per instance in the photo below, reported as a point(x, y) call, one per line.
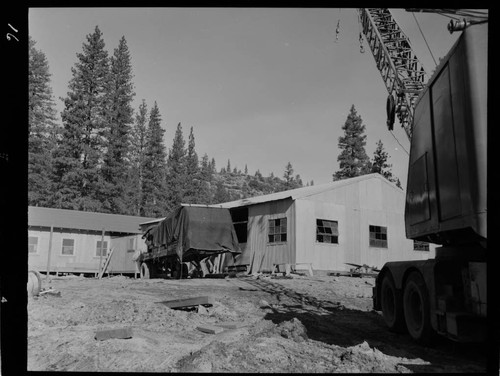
point(446, 156)
point(263, 254)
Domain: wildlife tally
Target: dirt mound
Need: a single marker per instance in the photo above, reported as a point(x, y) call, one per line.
point(293, 329)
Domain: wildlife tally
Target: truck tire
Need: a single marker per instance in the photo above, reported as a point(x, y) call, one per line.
point(417, 309)
point(392, 305)
point(34, 283)
point(145, 272)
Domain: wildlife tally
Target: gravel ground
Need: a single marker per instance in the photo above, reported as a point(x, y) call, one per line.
point(290, 325)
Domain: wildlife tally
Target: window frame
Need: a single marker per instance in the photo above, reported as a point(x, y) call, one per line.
point(63, 247)
point(98, 249)
point(274, 233)
point(334, 231)
point(36, 245)
point(379, 236)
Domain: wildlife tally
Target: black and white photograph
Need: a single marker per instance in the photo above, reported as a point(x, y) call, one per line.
point(255, 190)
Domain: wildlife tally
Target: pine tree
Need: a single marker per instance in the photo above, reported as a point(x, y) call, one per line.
point(353, 159)
point(79, 154)
point(193, 178)
point(298, 181)
point(246, 170)
point(43, 129)
point(154, 187)
point(138, 139)
point(228, 168)
point(288, 176)
point(176, 169)
point(115, 177)
point(380, 166)
point(212, 166)
point(206, 177)
point(221, 193)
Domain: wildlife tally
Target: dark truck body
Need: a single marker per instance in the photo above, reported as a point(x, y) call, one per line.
point(446, 203)
point(188, 234)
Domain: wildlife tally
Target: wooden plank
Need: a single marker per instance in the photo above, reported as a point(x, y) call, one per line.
point(100, 253)
point(232, 325)
point(210, 329)
point(123, 333)
point(106, 263)
point(189, 302)
point(50, 252)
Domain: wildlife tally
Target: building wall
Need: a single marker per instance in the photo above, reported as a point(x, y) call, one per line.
point(355, 207)
point(258, 250)
point(321, 255)
point(124, 248)
point(84, 258)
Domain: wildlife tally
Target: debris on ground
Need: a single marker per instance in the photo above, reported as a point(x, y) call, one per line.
point(210, 329)
point(124, 333)
point(308, 325)
point(189, 302)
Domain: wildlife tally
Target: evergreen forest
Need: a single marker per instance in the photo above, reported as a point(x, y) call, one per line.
point(103, 155)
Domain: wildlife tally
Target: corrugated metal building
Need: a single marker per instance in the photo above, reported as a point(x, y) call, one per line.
point(74, 240)
point(358, 220)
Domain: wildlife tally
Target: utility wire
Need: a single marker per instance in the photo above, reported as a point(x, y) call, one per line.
point(423, 36)
point(402, 147)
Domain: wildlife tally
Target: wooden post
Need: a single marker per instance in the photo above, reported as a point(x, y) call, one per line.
point(50, 252)
point(100, 253)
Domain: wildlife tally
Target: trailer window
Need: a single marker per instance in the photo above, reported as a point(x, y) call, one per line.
point(420, 246)
point(104, 248)
point(277, 230)
point(32, 244)
point(68, 247)
point(327, 231)
point(378, 236)
point(131, 245)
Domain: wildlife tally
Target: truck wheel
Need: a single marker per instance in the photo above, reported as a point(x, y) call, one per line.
point(417, 309)
point(145, 271)
point(392, 305)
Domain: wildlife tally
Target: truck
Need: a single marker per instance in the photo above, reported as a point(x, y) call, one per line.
point(445, 119)
point(181, 243)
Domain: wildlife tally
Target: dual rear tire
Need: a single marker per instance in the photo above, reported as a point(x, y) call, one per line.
point(408, 310)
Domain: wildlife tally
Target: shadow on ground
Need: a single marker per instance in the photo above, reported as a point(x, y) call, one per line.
point(332, 323)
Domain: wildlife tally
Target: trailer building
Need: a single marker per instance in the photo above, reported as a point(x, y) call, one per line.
point(70, 241)
point(358, 220)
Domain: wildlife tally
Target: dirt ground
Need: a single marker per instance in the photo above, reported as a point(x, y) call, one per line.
point(299, 324)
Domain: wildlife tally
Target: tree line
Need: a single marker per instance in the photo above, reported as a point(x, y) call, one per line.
point(108, 158)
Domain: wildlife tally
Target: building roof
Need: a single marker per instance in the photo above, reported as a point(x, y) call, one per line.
point(81, 220)
point(299, 193)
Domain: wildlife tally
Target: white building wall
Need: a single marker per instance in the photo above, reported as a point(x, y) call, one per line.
point(84, 255)
point(323, 256)
point(355, 207)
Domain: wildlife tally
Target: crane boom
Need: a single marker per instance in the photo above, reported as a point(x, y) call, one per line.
point(402, 72)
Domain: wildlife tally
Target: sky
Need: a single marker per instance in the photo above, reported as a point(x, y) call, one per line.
point(261, 87)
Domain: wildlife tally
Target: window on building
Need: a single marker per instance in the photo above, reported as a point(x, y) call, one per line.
point(131, 245)
point(32, 244)
point(420, 246)
point(104, 248)
point(378, 236)
point(327, 231)
point(68, 247)
point(277, 230)
point(240, 222)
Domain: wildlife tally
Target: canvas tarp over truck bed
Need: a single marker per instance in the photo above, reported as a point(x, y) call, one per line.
point(194, 232)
